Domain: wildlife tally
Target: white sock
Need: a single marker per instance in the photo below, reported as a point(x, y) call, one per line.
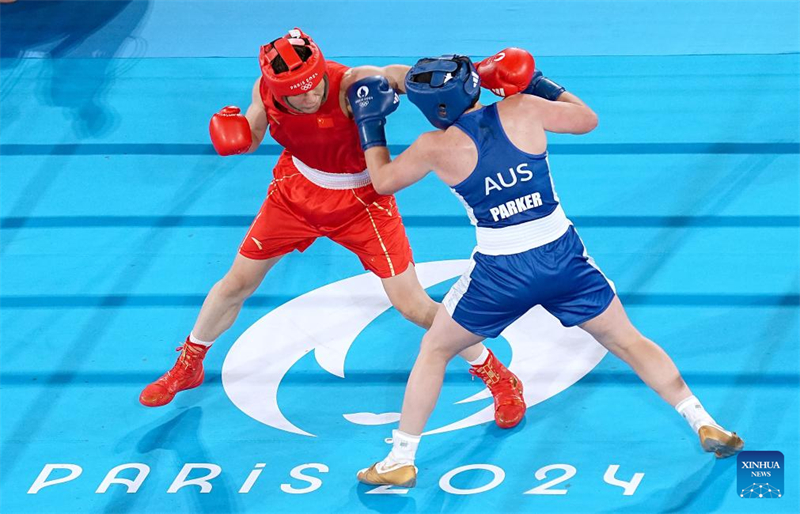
point(481, 360)
point(194, 340)
point(693, 412)
point(404, 450)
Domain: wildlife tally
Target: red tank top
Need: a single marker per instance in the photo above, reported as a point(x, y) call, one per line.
point(326, 140)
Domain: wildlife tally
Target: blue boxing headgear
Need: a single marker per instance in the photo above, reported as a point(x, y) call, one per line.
point(443, 88)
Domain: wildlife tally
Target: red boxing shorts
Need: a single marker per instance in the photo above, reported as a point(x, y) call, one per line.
point(297, 211)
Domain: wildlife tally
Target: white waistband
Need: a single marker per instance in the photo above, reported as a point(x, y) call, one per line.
point(332, 180)
point(523, 237)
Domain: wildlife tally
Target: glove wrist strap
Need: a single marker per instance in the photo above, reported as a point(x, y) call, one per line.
point(372, 132)
point(545, 88)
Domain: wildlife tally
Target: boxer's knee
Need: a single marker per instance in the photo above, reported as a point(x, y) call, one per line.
point(616, 333)
point(237, 286)
point(243, 278)
point(410, 298)
point(435, 348)
point(418, 309)
point(627, 343)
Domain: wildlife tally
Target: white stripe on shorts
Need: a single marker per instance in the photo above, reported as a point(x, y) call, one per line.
point(456, 292)
point(591, 262)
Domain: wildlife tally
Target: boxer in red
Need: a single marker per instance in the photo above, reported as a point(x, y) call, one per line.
point(321, 188)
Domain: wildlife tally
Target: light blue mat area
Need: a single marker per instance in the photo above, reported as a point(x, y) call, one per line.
point(410, 28)
point(670, 99)
point(116, 217)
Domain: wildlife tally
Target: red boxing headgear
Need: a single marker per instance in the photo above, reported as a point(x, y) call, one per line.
point(302, 76)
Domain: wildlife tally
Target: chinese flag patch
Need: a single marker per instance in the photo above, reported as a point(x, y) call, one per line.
point(324, 122)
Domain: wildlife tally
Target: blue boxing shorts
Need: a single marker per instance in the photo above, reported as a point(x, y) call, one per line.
point(560, 276)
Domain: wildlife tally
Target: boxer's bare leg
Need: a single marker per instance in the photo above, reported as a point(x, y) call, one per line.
point(219, 311)
point(442, 342)
point(613, 329)
point(408, 296)
point(410, 299)
point(225, 300)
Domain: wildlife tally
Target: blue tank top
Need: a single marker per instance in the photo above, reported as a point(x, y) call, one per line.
point(507, 186)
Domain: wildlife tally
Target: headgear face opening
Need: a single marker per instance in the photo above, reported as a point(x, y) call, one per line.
point(302, 76)
point(443, 88)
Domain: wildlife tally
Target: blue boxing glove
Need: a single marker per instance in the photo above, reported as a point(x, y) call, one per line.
point(372, 99)
point(543, 87)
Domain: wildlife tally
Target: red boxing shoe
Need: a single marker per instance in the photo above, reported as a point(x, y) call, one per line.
point(185, 374)
point(506, 388)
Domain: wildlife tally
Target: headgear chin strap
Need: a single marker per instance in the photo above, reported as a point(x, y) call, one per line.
point(443, 88)
point(302, 76)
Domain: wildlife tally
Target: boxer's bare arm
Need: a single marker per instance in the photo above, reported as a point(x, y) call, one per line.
point(567, 115)
point(257, 117)
point(389, 176)
point(394, 73)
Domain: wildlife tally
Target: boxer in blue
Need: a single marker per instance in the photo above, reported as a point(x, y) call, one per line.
point(528, 253)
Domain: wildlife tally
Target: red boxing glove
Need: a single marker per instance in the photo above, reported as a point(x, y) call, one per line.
point(507, 72)
point(230, 132)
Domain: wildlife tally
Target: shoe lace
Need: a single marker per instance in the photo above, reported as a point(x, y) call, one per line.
point(187, 361)
point(487, 373)
point(504, 391)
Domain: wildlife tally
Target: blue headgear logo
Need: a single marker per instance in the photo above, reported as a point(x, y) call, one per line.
point(443, 88)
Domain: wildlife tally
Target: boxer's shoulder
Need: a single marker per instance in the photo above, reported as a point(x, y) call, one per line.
point(521, 107)
point(336, 72)
point(446, 150)
point(333, 65)
point(352, 75)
